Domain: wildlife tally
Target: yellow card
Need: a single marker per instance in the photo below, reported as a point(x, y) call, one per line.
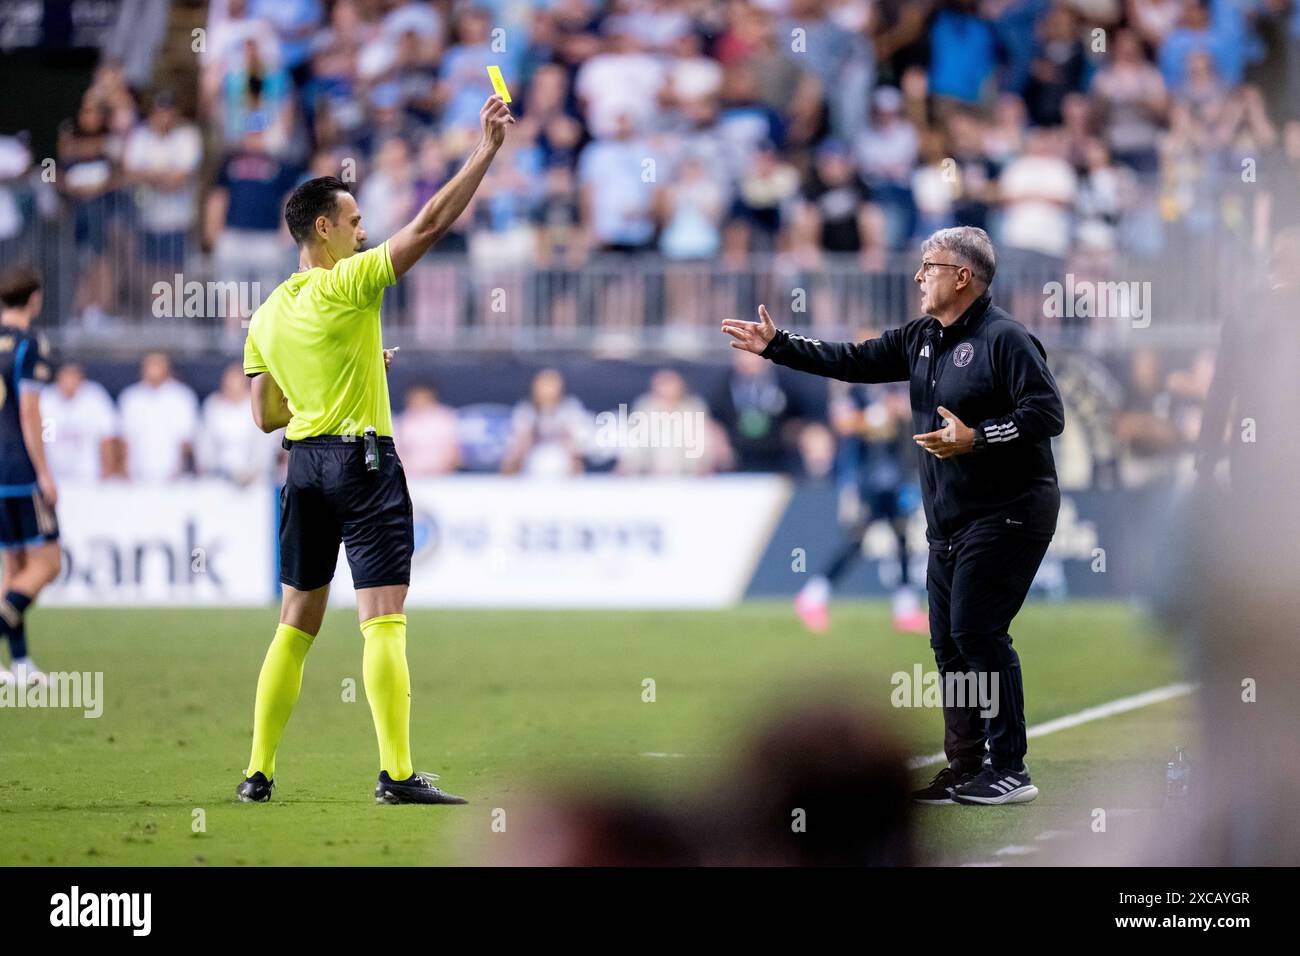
point(498, 82)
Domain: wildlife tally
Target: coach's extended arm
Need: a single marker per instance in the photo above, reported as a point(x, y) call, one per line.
point(875, 360)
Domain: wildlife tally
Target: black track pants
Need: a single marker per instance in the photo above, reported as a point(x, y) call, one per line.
point(975, 588)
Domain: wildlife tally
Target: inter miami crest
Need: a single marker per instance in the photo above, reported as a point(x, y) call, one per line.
point(962, 354)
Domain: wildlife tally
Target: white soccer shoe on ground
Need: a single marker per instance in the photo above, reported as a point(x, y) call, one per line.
point(27, 674)
point(908, 614)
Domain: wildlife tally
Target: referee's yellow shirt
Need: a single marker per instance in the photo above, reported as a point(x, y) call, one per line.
point(318, 335)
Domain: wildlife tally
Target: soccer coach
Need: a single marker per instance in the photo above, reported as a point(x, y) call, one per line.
point(318, 366)
point(989, 487)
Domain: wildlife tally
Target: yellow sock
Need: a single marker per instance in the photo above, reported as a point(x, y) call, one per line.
point(388, 688)
point(277, 692)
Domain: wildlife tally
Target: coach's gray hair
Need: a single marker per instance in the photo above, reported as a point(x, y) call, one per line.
point(969, 244)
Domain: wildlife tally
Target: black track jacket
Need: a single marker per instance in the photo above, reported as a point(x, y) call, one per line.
point(989, 371)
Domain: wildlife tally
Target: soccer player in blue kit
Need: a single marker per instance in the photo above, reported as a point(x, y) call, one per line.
point(29, 531)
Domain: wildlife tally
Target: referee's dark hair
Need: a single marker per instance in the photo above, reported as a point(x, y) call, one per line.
point(18, 286)
point(316, 197)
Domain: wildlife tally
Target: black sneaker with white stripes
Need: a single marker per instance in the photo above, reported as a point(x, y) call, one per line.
point(939, 790)
point(996, 786)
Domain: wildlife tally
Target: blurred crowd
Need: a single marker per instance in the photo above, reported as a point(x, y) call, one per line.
point(1080, 133)
point(703, 132)
point(158, 430)
point(1131, 423)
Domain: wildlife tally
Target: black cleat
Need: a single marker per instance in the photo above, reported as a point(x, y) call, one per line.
point(418, 789)
point(995, 786)
point(939, 790)
point(256, 789)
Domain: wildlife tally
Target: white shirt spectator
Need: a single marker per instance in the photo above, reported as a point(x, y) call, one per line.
point(1156, 19)
point(1039, 192)
point(934, 192)
point(695, 77)
point(680, 442)
point(420, 18)
point(620, 198)
point(888, 152)
point(77, 428)
point(179, 150)
point(615, 83)
point(1125, 94)
point(157, 422)
point(230, 445)
point(15, 160)
point(227, 34)
point(554, 439)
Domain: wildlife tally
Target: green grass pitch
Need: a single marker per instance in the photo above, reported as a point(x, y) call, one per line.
point(507, 705)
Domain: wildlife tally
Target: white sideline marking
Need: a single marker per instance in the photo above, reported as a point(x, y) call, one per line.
point(654, 754)
point(1016, 850)
point(1122, 705)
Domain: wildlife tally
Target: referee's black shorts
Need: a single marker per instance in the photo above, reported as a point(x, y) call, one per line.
point(330, 498)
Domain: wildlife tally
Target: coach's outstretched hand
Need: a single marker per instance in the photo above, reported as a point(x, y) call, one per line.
point(495, 117)
point(751, 336)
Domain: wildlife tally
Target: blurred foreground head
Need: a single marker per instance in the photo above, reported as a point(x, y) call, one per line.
point(819, 785)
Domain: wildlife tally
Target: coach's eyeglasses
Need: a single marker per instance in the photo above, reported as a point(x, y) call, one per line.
point(927, 267)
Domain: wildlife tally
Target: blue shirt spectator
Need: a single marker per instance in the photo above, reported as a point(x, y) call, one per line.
point(257, 184)
point(1016, 27)
point(257, 100)
point(1221, 34)
point(610, 170)
point(963, 53)
point(295, 21)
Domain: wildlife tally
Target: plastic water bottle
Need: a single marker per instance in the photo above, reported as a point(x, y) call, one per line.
point(1177, 780)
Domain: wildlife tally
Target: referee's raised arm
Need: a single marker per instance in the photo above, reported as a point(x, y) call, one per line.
point(440, 213)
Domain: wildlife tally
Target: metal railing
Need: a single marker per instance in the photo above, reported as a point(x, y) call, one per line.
point(111, 284)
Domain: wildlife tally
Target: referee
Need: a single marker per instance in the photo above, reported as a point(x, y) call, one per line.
point(989, 487)
point(318, 366)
